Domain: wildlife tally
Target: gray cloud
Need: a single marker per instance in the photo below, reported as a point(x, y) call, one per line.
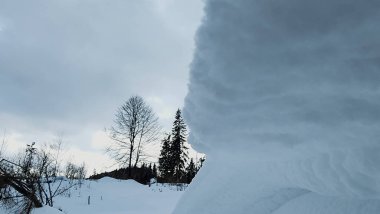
point(74, 62)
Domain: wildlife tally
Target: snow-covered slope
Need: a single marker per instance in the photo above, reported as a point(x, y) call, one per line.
point(111, 196)
point(284, 99)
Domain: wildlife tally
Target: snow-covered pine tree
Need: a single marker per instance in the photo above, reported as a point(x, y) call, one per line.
point(178, 150)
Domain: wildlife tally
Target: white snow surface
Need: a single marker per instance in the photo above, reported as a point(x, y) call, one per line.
point(284, 98)
point(112, 196)
point(46, 210)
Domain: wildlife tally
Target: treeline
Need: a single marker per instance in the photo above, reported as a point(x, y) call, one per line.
point(143, 174)
point(136, 125)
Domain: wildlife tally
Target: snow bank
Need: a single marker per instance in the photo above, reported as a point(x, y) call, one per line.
point(113, 196)
point(46, 210)
point(284, 97)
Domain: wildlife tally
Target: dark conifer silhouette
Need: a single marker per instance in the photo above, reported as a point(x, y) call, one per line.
point(178, 149)
point(173, 157)
point(154, 170)
point(191, 171)
point(165, 165)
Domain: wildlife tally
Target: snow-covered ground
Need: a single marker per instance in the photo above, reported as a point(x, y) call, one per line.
point(111, 196)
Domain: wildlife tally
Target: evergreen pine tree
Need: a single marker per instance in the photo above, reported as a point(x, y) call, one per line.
point(178, 150)
point(165, 167)
point(191, 171)
point(150, 168)
point(154, 170)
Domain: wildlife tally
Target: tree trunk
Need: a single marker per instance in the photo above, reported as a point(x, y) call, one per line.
point(25, 192)
point(130, 162)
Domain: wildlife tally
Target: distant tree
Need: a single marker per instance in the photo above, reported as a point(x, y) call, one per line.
point(3, 144)
point(150, 168)
point(154, 170)
point(178, 149)
point(173, 156)
point(165, 164)
point(201, 161)
point(141, 174)
point(75, 172)
point(135, 125)
point(191, 171)
point(70, 171)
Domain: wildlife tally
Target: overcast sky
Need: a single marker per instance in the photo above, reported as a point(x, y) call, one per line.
point(65, 66)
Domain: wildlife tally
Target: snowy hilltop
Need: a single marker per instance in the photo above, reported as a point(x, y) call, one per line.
point(286, 95)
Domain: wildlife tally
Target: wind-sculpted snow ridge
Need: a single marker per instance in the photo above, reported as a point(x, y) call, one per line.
point(284, 98)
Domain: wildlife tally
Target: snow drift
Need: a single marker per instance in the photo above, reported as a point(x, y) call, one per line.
point(284, 98)
point(112, 196)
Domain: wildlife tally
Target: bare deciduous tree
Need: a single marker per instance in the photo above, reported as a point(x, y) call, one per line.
point(33, 180)
point(135, 126)
point(74, 172)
